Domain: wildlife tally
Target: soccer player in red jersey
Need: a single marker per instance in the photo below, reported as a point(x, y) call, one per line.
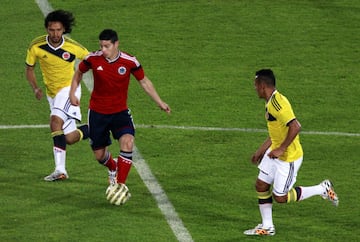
point(108, 110)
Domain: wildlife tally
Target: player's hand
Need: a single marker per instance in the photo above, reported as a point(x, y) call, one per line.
point(74, 100)
point(165, 107)
point(38, 93)
point(276, 153)
point(256, 158)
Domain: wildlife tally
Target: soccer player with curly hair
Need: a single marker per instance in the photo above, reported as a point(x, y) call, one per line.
point(56, 54)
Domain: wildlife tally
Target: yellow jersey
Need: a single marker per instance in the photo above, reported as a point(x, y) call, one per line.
point(278, 114)
point(56, 64)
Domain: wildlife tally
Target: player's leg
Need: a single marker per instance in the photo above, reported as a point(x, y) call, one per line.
point(265, 201)
point(73, 134)
point(296, 193)
point(285, 178)
point(300, 193)
point(126, 142)
point(100, 139)
point(124, 131)
point(59, 148)
point(104, 157)
point(61, 110)
point(116, 193)
point(284, 183)
point(325, 189)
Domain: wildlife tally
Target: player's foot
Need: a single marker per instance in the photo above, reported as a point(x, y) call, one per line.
point(260, 230)
point(112, 175)
point(56, 176)
point(117, 194)
point(330, 193)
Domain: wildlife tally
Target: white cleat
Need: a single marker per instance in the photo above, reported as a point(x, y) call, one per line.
point(261, 231)
point(330, 193)
point(56, 176)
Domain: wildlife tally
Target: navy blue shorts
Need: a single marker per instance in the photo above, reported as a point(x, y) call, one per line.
point(100, 126)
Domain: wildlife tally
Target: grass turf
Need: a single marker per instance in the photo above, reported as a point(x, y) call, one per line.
point(201, 57)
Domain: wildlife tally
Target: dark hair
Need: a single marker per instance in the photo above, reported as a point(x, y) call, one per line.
point(267, 76)
point(66, 18)
point(109, 34)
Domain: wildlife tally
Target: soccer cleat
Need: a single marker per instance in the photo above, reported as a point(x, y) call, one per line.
point(117, 193)
point(329, 192)
point(260, 230)
point(56, 176)
point(112, 177)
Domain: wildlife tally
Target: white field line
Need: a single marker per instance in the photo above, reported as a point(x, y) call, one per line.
point(245, 130)
point(199, 128)
point(164, 204)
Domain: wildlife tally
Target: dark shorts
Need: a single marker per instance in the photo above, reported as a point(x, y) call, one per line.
point(100, 126)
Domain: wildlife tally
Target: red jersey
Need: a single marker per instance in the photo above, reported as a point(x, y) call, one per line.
point(111, 80)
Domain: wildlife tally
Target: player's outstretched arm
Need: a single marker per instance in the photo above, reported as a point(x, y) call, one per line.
point(149, 88)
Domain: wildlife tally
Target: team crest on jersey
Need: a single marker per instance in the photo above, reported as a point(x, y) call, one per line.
point(66, 55)
point(122, 70)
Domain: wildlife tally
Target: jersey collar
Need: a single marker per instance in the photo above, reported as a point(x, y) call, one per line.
point(272, 94)
point(115, 59)
point(52, 47)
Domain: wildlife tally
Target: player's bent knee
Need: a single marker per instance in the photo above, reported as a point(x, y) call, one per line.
point(101, 155)
point(261, 186)
point(72, 137)
point(280, 199)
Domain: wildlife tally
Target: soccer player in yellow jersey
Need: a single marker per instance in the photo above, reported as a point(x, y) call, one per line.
point(56, 54)
point(280, 156)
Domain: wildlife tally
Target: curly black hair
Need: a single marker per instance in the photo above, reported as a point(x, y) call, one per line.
point(66, 18)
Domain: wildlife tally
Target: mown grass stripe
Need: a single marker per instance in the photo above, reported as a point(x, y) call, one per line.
point(199, 128)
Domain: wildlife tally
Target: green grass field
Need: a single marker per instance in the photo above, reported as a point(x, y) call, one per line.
point(201, 56)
